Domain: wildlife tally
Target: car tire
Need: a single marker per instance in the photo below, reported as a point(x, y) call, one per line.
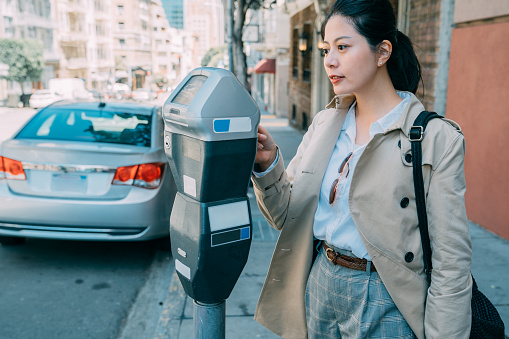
point(11, 241)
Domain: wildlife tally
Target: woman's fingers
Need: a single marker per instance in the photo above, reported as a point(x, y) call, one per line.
point(266, 148)
point(265, 139)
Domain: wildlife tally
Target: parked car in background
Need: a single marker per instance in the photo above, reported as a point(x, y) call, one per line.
point(44, 97)
point(98, 95)
point(121, 91)
point(86, 171)
point(70, 88)
point(142, 94)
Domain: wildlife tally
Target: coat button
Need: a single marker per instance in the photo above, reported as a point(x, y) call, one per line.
point(408, 157)
point(409, 256)
point(399, 143)
point(404, 202)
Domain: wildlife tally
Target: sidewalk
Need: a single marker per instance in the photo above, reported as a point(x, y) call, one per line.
point(489, 267)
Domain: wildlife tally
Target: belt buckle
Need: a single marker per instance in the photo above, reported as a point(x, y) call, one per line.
point(331, 251)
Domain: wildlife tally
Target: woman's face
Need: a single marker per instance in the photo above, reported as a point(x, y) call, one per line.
point(349, 61)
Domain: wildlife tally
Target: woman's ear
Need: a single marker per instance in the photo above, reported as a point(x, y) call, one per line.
point(384, 52)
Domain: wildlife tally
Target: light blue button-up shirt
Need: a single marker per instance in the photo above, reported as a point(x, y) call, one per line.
point(334, 224)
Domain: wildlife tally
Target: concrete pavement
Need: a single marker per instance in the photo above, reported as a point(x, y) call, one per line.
point(175, 311)
point(13, 118)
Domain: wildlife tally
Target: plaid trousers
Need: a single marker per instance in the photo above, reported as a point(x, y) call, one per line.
point(346, 303)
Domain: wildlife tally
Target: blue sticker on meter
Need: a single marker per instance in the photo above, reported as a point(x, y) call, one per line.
point(232, 125)
point(244, 233)
point(222, 126)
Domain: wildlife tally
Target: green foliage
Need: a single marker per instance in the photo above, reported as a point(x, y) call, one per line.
point(24, 58)
point(212, 56)
point(214, 61)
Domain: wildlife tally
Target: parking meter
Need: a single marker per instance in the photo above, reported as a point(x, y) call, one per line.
point(210, 139)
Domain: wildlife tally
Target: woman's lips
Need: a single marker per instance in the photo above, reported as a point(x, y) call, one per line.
point(335, 78)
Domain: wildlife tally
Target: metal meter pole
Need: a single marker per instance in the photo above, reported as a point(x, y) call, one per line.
point(230, 35)
point(209, 320)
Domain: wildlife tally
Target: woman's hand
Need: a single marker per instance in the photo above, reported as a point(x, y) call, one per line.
point(267, 149)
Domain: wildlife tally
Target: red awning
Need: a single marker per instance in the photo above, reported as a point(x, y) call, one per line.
point(266, 66)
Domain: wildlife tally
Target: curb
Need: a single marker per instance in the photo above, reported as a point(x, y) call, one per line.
point(145, 316)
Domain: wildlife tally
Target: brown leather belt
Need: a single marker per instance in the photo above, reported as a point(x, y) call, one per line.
point(346, 261)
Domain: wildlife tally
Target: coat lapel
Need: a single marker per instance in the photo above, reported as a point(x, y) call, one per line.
point(324, 139)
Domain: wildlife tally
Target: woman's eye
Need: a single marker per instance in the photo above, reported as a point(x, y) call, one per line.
point(325, 51)
point(342, 47)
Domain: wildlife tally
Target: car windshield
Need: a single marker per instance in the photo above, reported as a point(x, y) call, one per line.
point(89, 126)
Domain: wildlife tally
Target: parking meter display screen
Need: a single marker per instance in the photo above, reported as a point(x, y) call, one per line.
point(187, 93)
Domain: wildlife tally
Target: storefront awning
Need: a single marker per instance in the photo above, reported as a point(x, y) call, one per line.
point(265, 66)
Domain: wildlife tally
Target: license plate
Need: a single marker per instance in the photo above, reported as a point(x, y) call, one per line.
point(69, 183)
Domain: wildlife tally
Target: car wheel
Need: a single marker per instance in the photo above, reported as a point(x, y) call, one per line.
point(11, 241)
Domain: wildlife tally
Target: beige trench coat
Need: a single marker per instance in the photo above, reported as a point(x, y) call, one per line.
point(382, 178)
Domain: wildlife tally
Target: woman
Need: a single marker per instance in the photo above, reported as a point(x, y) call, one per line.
point(350, 186)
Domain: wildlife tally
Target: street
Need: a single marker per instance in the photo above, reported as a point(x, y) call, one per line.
point(69, 289)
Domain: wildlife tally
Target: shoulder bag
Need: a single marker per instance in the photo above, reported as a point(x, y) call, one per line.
point(486, 322)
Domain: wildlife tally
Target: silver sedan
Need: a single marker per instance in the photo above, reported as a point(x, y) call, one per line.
point(86, 171)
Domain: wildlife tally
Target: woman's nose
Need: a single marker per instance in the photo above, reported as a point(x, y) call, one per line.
point(330, 60)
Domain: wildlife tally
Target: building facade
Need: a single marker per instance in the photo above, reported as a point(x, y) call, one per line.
point(477, 99)
point(132, 31)
point(174, 10)
point(84, 40)
point(173, 50)
point(24, 19)
point(206, 21)
point(269, 77)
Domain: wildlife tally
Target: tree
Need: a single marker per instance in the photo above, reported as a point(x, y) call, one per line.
point(239, 19)
point(213, 55)
point(24, 58)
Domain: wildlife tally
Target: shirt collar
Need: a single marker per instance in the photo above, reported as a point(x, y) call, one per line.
point(382, 124)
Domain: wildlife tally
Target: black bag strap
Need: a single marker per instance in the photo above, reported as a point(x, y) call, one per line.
point(415, 136)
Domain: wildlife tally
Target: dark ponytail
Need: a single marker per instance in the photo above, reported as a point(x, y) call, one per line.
point(375, 20)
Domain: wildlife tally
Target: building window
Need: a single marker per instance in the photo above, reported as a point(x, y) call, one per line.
point(8, 27)
point(102, 54)
point(295, 54)
point(121, 42)
point(143, 25)
point(306, 56)
point(32, 34)
point(99, 6)
point(120, 9)
point(294, 113)
point(304, 121)
point(121, 26)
